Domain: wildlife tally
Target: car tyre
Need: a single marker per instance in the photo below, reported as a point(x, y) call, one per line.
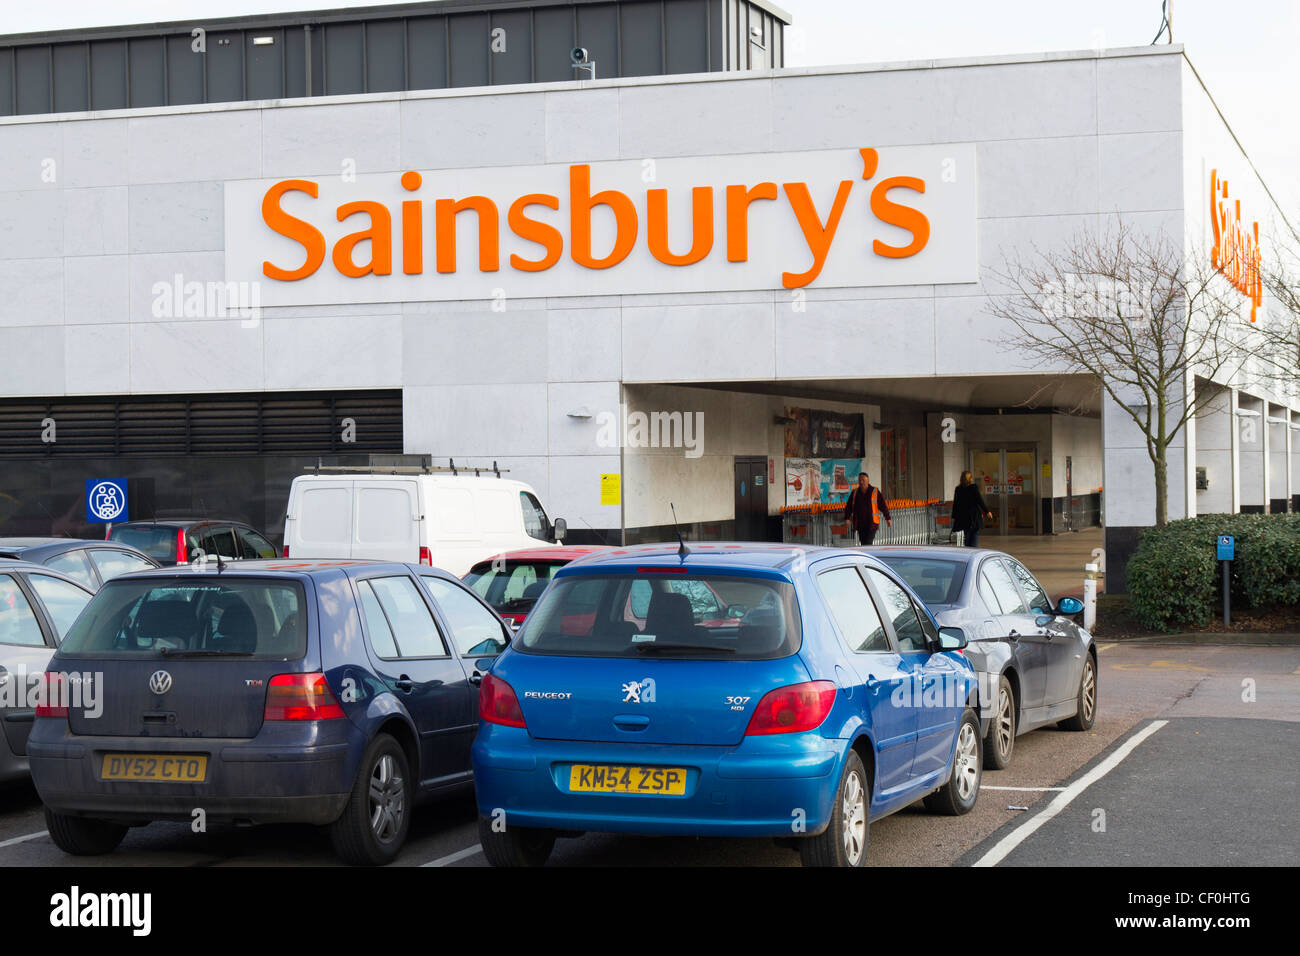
point(82, 836)
point(375, 821)
point(515, 846)
point(1086, 702)
point(845, 839)
point(959, 794)
point(1001, 741)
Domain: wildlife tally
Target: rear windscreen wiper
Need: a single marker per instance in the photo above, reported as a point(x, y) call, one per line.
point(648, 648)
point(181, 652)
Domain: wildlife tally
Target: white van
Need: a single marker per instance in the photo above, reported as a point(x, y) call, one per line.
point(448, 521)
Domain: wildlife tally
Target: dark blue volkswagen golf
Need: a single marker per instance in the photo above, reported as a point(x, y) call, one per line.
point(734, 690)
point(335, 693)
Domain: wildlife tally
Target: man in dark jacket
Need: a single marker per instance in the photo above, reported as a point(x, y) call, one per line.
point(864, 509)
point(969, 510)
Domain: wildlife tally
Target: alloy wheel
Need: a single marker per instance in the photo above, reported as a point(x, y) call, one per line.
point(854, 813)
point(966, 771)
point(1089, 690)
point(1006, 726)
point(387, 799)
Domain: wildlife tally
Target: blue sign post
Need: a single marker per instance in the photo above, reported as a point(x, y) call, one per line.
point(1226, 550)
point(106, 500)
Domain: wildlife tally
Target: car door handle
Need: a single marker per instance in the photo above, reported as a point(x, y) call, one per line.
point(404, 684)
point(1014, 635)
point(476, 678)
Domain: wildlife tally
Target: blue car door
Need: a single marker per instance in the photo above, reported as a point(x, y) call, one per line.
point(411, 658)
point(886, 682)
point(937, 683)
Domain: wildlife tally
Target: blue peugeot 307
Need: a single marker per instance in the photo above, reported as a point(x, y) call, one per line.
point(333, 692)
point(728, 690)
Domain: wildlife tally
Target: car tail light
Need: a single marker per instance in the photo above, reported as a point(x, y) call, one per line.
point(301, 697)
point(497, 703)
point(53, 699)
point(181, 556)
point(426, 557)
point(792, 709)
point(286, 551)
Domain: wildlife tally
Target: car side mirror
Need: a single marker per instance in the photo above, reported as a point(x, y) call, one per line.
point(559, 529)
point(1069, 606)
point(952, 639)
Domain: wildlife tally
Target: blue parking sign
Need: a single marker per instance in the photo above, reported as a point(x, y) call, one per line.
point(1227, 547)
point(106, 500)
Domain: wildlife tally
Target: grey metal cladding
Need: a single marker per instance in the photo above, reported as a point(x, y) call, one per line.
point(454, 43)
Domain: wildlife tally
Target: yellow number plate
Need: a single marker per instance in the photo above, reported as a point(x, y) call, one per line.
point(154, 769)
point(589, 778)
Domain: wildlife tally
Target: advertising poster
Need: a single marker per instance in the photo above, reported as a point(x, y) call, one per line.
point(810, 481)
point(813, 433)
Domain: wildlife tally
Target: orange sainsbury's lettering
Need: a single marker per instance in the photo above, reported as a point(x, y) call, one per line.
point(581, 203)
point(380, 235)
point(738, 200)
point(701, 226)
point(1234, 251)
point(817, 235)
point(291, 227)
point(489, 251)
point(905, 217)
point(545, 235)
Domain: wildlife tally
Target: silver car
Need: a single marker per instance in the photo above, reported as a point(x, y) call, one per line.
point(1036, 666)
point(37, 606)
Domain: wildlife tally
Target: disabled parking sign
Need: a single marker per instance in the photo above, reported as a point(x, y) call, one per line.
point(106, 500)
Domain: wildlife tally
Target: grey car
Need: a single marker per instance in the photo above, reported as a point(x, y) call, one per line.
point(37, 607)
point(88, 561)
point(1036, 666)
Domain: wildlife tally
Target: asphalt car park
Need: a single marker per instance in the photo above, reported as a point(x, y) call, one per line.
point(1165, 801)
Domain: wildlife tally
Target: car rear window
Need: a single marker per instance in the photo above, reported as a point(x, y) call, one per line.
point(674, 615)
point(511, 585)
point(934, 580)
point(199, 618)
point(157, 541)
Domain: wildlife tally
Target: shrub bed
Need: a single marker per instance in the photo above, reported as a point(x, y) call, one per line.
point(1174, 576)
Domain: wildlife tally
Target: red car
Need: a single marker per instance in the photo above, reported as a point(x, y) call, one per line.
point(513, 581)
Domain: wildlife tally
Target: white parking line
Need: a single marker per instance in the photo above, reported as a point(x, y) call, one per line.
point(1025, 789)
point(453, 857)
point(23, 839)
point(1059, 803)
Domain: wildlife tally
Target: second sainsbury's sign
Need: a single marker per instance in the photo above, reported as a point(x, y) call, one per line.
point(821, 218)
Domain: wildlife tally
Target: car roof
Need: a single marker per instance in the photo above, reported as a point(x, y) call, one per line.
point(13, 564)
point(559, 552)
point(752, 555)
point(179, 522)
point(19, 544)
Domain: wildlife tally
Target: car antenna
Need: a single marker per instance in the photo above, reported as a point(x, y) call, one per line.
point(682, 550)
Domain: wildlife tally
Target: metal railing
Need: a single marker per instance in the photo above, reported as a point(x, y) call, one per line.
point(826, 526)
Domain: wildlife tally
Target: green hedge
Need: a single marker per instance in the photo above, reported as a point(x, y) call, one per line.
point(1173, 578)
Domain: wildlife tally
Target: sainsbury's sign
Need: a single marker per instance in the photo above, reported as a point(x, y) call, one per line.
point(814, 219)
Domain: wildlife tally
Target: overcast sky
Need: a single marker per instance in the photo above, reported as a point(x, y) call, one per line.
point(1246, 51)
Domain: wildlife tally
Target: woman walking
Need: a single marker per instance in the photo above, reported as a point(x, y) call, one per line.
point(969, 510)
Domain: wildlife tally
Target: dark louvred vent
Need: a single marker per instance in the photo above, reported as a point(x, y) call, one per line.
point(271, 423)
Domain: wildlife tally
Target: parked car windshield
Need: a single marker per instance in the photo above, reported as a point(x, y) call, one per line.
point(934, 580)
point(157, 541)
point(664, 614)
point(200, 618)
point(511, 585)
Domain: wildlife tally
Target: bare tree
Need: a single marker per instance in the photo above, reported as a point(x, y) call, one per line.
point(1136, 312)
point(1281, 279)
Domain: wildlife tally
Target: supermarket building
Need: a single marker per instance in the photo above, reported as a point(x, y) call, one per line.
point(689, 288)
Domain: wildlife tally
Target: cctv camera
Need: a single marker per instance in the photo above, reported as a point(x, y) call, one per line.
point(578, 55)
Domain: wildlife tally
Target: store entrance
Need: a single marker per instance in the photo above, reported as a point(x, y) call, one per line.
point(1007, 478)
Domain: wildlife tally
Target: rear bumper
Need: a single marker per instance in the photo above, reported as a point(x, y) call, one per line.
point(252, 781)
point(773, 786)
